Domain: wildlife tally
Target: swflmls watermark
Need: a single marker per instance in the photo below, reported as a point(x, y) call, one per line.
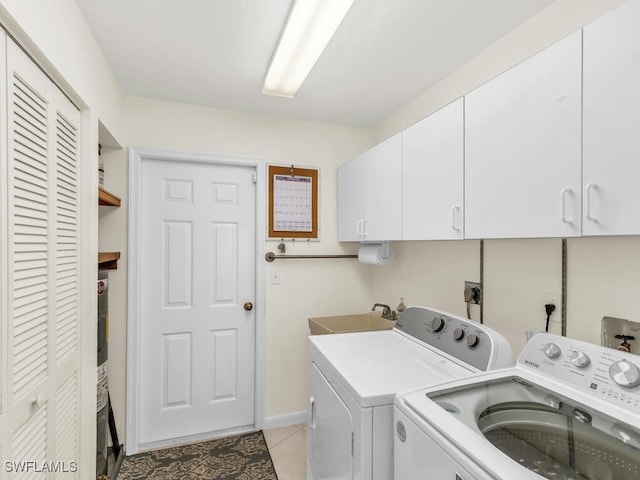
point(30, 466)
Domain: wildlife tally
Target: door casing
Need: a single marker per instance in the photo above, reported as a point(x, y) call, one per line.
point(136, 155)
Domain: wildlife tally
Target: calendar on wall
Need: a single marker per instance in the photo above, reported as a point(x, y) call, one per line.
point(293, 202)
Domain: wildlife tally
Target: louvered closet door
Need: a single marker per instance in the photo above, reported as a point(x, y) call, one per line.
point(43, 274)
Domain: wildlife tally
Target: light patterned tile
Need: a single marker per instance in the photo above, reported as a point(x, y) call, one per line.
point(290, 456)
point(275, 436)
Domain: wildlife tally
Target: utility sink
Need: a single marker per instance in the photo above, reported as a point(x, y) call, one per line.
point(349, 323)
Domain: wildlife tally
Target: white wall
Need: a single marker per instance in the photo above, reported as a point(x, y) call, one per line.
point(308, 288)
point(428, 274)
point(56, 34)
point(520, 277)
point(603, 279)
point(550, 25)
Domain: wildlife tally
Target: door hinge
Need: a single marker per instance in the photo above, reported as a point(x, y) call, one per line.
point(254, 177)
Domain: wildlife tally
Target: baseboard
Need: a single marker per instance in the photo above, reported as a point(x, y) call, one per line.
point(286, 420)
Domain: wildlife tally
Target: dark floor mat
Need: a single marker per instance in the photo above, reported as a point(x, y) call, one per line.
point(241, 457)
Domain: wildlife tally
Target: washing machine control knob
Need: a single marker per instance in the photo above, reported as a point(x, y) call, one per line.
point(458, 334)
point(625, 374)
point(580, 359)
point(472, 340)
point(551, 350)
point(437, 324)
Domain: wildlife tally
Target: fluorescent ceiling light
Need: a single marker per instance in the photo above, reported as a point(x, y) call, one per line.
point(310, 26)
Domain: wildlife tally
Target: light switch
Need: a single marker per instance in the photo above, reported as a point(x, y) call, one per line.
point(275, 277)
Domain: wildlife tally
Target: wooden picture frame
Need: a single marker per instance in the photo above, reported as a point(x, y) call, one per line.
point(293, 203)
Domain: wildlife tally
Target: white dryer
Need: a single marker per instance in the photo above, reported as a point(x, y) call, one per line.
point(568, 410)
point(353, 378)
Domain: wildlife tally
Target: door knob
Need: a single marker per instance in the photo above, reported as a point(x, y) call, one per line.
point(248, 306)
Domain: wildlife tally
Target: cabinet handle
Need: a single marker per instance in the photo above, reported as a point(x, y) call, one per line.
point(312, 410)
point(38, 400)
point(588, 188)
point(364, 227)
point(453, 217)
point(565, 192)
point(359, 228)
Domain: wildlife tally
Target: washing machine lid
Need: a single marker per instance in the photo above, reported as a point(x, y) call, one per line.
point(374, 366)
point(564, 411)
point(545, 431)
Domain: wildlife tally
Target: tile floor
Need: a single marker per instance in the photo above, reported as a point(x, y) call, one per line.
point(288, 450)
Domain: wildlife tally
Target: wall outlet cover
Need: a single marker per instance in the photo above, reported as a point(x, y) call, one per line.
point(477, 299)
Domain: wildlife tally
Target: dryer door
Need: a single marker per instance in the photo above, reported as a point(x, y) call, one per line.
point(330, 432)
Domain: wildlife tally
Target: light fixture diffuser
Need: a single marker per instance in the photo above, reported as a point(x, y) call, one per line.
point(310, 26)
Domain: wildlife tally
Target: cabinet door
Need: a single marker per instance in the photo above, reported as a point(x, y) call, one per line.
point(350, 197)
point(432, 176)
point(611, 168)
point(382, 167)
point(42, 311)
point(523, 148)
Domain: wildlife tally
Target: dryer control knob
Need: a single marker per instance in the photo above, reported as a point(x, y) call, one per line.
point(625, 374)
point(437, 324)
point(472, 340)
point(551, 350)
point(458, 334)
point(580, 359)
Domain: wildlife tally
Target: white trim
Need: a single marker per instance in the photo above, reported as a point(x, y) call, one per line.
point(286, 420)
point(136, 155)
point(87, 335)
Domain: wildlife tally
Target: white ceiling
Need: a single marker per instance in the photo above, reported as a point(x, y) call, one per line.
point(216, 52)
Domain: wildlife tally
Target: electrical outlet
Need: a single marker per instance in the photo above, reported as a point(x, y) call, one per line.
point(552, 298)
point(477, 291)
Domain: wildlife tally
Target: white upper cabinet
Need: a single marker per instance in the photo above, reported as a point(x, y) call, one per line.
point(432, 176)
point(350, 201)
point(369, 194)
point(382, 186)
point(611, 156)
point(523, 148)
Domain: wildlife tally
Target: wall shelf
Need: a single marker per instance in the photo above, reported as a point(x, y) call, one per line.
point(107, 198)
point(108, 260)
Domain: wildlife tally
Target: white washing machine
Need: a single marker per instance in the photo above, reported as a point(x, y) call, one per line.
point(353, 378)
point(568, 410)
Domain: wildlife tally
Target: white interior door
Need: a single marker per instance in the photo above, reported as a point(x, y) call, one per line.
point(197, 337)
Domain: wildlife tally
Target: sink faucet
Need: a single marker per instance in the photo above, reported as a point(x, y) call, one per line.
point(386, 311)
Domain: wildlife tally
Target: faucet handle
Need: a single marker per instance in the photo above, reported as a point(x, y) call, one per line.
point(386, 311)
